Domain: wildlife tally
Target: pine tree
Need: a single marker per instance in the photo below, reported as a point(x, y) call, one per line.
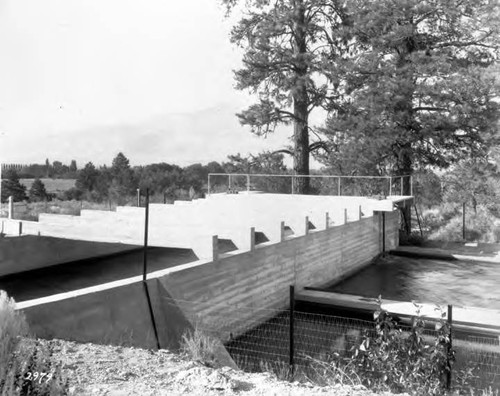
point(37, 191)
point(87, 178)
point(72, 167)
point(11, 186)
point(421, 88)
point(291, 50)
point(122, 183)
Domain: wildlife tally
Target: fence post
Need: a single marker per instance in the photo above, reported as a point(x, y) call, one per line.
point(11, 207)
point(293, 185)
point(402, 180)
point(327, 221)
point(390, 186)
point(360, 213)
point(248, 182)
point(138, 197)
point(463, 221)
point(345, 216)
point(449, 351)
point(338, 187)
point(208, 185)
point(292, 312)
point(411, 185)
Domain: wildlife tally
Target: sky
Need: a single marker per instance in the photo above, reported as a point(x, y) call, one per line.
point(86, 79)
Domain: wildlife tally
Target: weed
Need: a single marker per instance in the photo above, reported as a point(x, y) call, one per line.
point(200, 347)
point(26, 366)
point(12, 328)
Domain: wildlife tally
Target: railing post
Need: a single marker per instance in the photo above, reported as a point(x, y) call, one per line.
point(390, 186)
point(338, 187)
point(229, 182)
point(252, 239)
point(291, 339)
point(248, 182)
point(345, 216)
point(411, 185)
point(327, 221)
point(138, 197)
point(215, 248)
point(360, 213)
point(293, 185)
point(402, 180)
point(208, 185)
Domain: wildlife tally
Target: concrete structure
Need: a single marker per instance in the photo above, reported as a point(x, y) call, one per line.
point(191, 225)
point(229, 293)
point(29, 252)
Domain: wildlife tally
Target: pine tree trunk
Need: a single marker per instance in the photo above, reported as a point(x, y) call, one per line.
point(406, 169)
point(300, 104)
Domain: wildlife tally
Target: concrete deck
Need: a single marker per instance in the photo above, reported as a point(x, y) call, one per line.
point(192, 224)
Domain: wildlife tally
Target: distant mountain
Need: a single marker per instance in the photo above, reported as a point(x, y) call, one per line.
point(201, 136)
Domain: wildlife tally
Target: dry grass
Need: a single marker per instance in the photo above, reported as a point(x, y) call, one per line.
point(51, 185)
point(12, 327)
point(200, 347)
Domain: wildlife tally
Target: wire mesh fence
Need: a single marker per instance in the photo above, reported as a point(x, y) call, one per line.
point(319, 184)
point(322, 347)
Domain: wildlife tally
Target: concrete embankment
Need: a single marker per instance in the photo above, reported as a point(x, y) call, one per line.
point(229, 294)
point(29, 252)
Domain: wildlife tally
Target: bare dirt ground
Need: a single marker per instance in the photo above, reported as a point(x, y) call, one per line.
point(118, 371)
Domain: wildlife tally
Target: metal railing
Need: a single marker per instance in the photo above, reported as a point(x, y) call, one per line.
point(321, 184)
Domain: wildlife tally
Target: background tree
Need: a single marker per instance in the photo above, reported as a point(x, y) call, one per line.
point(11, 186)
point(87, 178)
point(291, 47)
point(122, 183)
point(37, 191)
point(263, 163)
point(472, 182)
point(72, 167)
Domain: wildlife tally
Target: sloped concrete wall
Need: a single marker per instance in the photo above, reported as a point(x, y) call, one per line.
point(227, 296)
point(236, 293)
point(117, 316)
point(25, 253)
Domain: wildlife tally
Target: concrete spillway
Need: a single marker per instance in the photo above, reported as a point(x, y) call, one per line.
point(328, 239)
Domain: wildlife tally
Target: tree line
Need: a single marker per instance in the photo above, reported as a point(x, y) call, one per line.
point(119, 182)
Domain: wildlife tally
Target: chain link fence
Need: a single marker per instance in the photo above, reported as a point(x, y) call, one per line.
point(301, 344)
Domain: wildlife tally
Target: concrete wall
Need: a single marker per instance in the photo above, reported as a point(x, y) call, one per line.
point(227, 296)
point(118, 316)
point(254, 282)
point(25, 253)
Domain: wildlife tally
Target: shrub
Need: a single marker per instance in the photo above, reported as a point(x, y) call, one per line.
point(12, 328)
point(400, 361)
point(26, 366)
point(200, 347)
point(32, 370)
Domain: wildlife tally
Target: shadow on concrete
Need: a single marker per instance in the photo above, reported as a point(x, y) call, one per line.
point(90, 272)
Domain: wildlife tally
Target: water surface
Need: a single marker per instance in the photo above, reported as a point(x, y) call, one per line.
point(461, 283)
